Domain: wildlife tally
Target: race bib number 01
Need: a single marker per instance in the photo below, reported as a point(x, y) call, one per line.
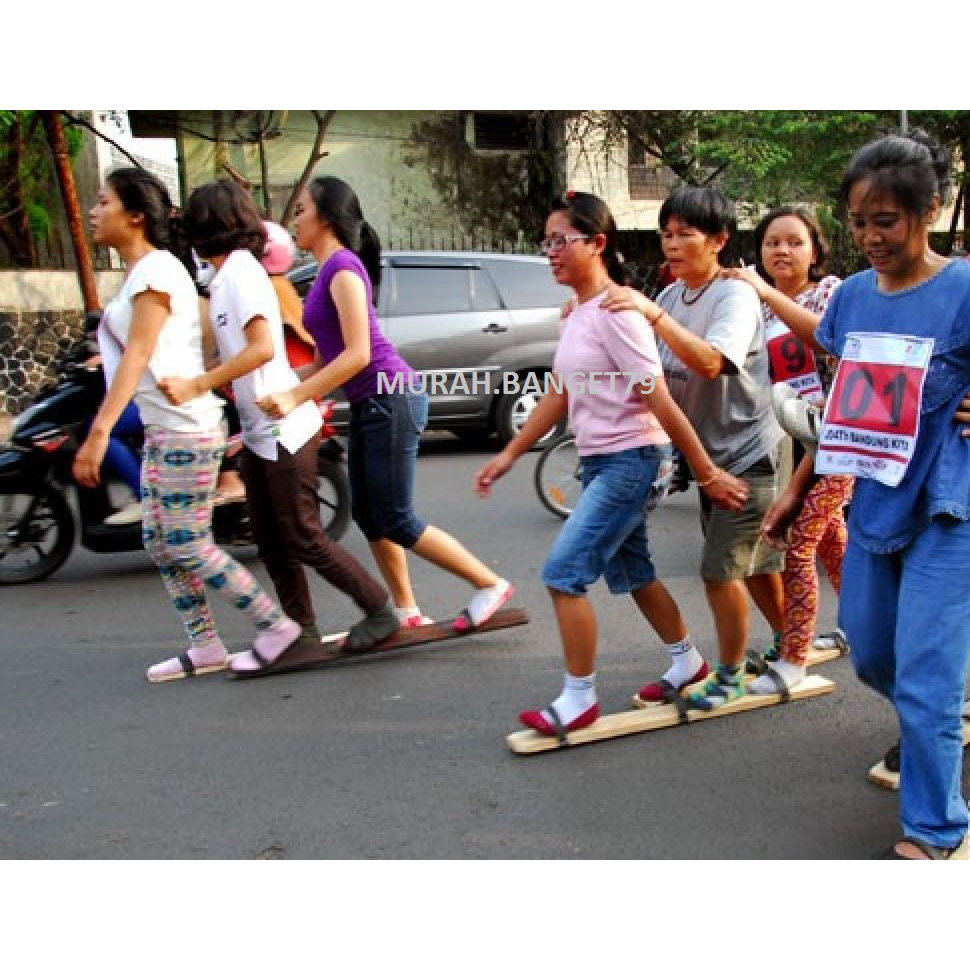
point(792, 362)
point(872, 416)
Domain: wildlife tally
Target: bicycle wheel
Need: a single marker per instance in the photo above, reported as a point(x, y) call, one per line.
point(557, 476)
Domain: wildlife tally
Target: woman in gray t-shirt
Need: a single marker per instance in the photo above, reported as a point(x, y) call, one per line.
point(711, 338)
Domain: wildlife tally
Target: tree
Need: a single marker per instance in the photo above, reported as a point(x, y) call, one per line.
point(952, 130)
point(28, 186)
point(57, 141)
point(322, 119)
point(506, 192)
point(760, 158)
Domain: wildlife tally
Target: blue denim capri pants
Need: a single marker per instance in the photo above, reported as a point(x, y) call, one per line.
point(606, 534)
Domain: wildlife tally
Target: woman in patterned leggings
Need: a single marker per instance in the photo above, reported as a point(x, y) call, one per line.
point(791, 253)
point(149, 331)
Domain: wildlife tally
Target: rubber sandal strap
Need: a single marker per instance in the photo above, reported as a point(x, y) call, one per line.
point(779, 683)
point(756, 663)
point(672, 695)
point(891, 758)
point(553, 718)
point(261, 661)
point(186, 662)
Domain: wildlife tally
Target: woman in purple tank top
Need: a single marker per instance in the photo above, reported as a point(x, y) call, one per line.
point(385, 427)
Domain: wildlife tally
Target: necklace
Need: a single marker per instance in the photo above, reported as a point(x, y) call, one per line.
point(700, 292)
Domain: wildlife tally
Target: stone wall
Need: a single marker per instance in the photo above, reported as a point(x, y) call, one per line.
point(31, 345)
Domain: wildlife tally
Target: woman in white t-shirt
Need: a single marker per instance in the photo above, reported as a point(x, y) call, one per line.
point(148, 331)
point(279, 460)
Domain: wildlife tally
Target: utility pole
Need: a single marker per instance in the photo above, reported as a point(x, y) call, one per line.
point(65, 178)
point(904, 122)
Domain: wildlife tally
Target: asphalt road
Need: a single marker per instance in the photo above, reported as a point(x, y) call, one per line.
point(404, 756)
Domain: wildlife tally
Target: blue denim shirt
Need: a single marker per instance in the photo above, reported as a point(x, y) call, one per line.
point(885, 519)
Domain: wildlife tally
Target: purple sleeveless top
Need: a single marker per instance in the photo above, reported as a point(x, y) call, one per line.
point(321, 320)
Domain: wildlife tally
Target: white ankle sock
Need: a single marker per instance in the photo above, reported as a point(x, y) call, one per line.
point(685, 661)
point(578, 696)
point(790, 673)
point(405, 612)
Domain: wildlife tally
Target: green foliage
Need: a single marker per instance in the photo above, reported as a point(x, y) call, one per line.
point(29, 194)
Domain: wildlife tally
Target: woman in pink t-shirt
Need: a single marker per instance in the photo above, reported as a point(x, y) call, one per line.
point(608, 378)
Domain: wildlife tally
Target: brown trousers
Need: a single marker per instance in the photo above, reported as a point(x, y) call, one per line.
point(282, 500)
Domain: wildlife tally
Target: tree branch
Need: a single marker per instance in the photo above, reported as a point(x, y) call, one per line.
point(84, 123)
point(323, 119)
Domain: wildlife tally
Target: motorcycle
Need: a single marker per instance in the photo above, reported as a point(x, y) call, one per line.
point(37, 524)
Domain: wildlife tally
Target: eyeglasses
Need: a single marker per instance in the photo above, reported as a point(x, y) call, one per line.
point(552, 244)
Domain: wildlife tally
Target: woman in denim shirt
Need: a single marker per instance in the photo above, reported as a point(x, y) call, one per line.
point(904, 604)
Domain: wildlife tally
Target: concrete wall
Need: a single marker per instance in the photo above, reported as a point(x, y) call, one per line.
point(377, 152)
point(41, 316)
point(52, 289)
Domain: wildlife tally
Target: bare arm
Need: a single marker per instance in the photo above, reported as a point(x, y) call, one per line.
point(551, 409)
point(721, 488)
point(258, 350)
point(350, 298)
point(695, 352)
point(802, 322)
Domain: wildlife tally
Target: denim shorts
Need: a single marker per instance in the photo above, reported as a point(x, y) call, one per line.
point(606, 534)
point(382, 451)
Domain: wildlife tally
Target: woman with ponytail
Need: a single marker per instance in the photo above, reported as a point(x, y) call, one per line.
point(385, 426)
point(608, 378)
point(148, 332)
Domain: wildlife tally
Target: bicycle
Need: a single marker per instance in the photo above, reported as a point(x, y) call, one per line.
point(558, 477)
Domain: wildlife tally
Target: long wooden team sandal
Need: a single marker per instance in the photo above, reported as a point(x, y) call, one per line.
point(930, 852)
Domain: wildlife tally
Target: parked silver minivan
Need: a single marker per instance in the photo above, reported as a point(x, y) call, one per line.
point(475, 326)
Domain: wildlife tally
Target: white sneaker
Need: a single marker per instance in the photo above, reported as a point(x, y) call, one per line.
point(129, 515)
point(803, 421)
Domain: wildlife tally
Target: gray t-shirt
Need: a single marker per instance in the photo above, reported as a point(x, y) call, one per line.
point(731, 414)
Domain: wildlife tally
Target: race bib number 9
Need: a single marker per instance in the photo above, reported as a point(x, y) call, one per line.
point(793, 362)
point(872, 416)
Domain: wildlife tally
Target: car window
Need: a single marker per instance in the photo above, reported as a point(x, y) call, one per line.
point(484, 294)
point(440, 289)
point(527, 284)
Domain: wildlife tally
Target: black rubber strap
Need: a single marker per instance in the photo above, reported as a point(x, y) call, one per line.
point(261, 661)
point(891, 760)
point(553, 718)
point(756, 663)
point(186, 661)
point(672, 695)
point(779, 682)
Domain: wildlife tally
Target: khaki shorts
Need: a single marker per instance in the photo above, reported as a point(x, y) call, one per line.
point(733, 547)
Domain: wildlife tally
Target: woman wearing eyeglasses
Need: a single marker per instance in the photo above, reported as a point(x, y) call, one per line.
point(716, 363)
point(385, 426)
point(608, 378)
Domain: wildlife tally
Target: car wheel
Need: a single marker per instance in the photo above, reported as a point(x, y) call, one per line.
point(513, 411)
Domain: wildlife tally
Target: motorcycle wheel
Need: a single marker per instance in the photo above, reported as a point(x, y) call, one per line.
point(557, 476)
point(33, 548)
point(333, 496)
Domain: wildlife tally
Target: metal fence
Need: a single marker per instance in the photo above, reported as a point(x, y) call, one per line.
point(458, 239)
